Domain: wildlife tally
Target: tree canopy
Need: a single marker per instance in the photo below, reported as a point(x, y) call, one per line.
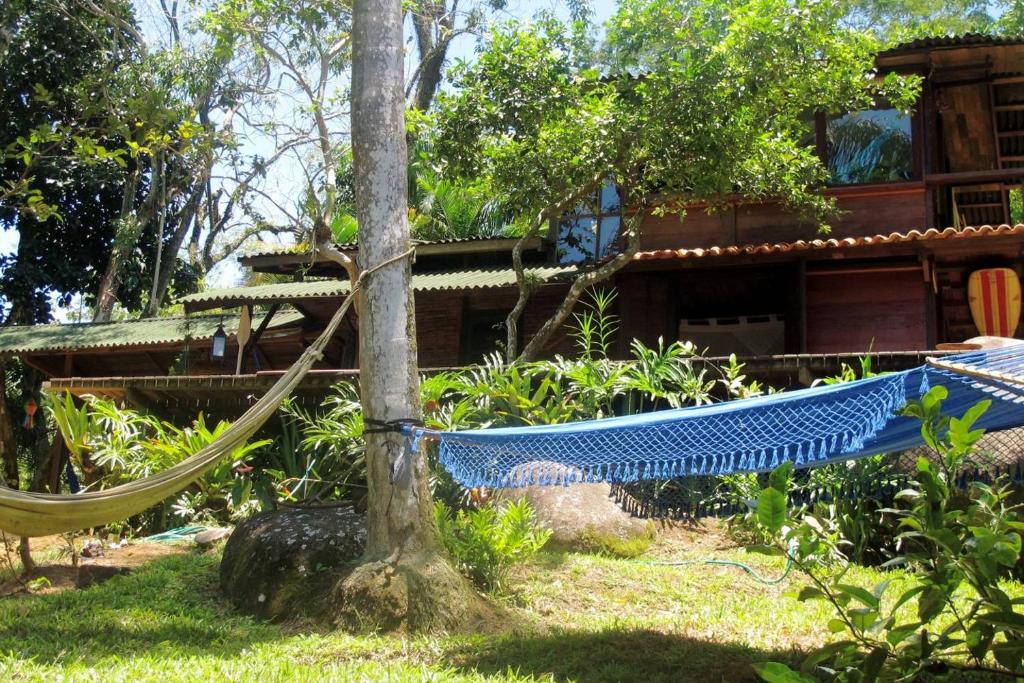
point(62, 207)
point(684, 101)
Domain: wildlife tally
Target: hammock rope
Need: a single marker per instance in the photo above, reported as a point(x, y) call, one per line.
point(808, 427)
point(25, 513)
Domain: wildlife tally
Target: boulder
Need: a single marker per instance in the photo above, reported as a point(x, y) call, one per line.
point(207, 538)
point(93, 574)
point(283, 563)
point(580, 516)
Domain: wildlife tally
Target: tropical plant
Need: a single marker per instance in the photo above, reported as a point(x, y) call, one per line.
point(488, 541)
point(665, 375)
point(516, 394)
point(443, 208)
point(115, 445)
point(955, 553)
point(854, 496)
point(330, 459)
point(593, 378)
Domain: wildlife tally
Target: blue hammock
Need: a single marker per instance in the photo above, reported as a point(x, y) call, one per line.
point(809, 427)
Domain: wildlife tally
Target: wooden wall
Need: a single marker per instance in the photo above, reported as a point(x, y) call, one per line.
point(955, 321)
point(869, 309)
point(867, 210)
point(651, 304)
point(440, 317)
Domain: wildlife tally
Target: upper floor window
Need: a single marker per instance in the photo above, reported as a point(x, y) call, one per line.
point(871, 146)
point(591, 231)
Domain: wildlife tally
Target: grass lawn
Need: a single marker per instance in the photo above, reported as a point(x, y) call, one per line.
point(583, 618)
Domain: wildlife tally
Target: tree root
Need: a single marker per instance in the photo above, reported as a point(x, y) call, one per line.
point(414, 594)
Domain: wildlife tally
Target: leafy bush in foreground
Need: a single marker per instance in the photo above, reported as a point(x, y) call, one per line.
point(955, 553)
point(486, 542)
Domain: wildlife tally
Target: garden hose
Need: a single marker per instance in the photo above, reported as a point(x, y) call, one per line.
point(181, 533)
point(734, 563)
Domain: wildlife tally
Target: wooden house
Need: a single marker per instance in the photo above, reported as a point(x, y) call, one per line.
point(926, 198)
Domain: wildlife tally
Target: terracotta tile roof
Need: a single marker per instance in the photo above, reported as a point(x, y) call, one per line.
point(840, 243)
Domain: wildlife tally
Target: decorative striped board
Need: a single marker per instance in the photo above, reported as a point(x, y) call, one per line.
point(994, 297)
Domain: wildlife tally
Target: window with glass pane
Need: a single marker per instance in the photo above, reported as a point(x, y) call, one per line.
point(872, 146)
point(591, 232)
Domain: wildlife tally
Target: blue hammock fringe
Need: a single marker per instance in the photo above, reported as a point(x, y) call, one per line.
point(808, 427)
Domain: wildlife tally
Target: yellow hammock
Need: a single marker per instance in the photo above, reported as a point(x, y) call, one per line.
point(40, 514)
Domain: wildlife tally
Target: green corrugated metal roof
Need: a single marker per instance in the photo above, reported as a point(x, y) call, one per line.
point(310, 289)
point(124, 333)
point(303, 248)
point(319, 289)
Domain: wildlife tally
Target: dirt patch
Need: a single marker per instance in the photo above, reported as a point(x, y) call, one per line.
point(702, 536)
point(60, 575)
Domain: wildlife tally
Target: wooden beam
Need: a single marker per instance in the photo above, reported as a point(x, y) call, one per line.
point(35, 364)
point(262, 358)
point(265, 322)
point(802, 293)
point(974, 177)
point(154, 362)
point(252, 346)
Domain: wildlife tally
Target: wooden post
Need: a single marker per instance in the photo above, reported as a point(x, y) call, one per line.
point(242, 336)
point(802, 303)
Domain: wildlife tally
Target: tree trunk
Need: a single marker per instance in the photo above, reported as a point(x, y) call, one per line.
point(165, 266)
point(125, 237)
point(12, 476)
point(432, 50)
point(580, 284)
point(405, 581)
point(8, 444)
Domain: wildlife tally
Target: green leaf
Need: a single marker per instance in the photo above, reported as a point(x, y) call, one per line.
point(810, 593)
point(862, 617)
point(780, 477)
point(898, 634)
point(879, 590)
point(873, 664)
point(930, 604)
point(858, 593)
point(771, 509)
point(1004, 621)
point(979, 638)
point(774, 672)
point(907, 494)
point(1009, 655)
point(836, 625)
point(825, 653)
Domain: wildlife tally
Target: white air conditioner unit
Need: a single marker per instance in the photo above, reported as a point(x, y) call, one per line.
point(745, 335)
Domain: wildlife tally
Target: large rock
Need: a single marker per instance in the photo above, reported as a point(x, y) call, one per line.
point(283, 563)
point(580, 516)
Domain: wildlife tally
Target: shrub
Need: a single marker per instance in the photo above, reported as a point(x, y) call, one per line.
point(488, 541)
point(113, 445)
point(956, 553)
